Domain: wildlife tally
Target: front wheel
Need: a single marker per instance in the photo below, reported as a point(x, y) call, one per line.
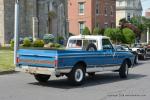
point(77, 75)
point(136, 60)
point(124, 70)
point(42, 78)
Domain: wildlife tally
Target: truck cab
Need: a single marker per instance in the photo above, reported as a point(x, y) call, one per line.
point(88, 42)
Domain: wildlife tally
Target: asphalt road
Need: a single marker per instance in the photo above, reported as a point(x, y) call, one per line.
point(105, 86)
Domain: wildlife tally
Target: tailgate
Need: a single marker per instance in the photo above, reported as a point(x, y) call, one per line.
point(37, 58)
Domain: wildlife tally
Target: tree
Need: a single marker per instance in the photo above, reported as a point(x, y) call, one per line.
point(96, 31)
point(114, 34)
point(118, 35)
point(86, 31)
point(129, 35)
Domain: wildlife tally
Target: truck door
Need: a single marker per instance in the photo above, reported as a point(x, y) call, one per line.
point(108, 53)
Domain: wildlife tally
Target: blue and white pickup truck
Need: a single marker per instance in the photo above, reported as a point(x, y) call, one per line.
point(83, 54)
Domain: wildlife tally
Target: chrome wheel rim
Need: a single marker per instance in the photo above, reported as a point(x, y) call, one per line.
point(137, 59)
point(78, 75)
point(126, 69)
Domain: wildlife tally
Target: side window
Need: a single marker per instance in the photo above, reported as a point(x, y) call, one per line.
point(106, 44)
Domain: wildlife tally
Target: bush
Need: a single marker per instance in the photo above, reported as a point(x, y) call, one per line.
point(129, 35)
point(60, 40)
point(96, 31)
point(57, 45)
point(38, 43)
point(86, 31)
point(53, 45)
point(50, 45)
point(12, 44)
point(26, 42)
point(48, 38)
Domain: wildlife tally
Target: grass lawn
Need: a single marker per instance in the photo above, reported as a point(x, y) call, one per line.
point(6, 60)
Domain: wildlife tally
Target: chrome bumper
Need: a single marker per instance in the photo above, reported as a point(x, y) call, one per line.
point(40, 70)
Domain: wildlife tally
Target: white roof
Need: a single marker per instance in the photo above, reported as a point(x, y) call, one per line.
point(88, 37)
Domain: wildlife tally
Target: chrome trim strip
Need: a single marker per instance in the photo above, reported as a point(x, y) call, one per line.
point(36, 70)
point(85, 56)
point(100, 69)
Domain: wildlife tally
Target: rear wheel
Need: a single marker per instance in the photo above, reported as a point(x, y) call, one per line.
point(42, 78)
point(124, 70)
point(77, 75)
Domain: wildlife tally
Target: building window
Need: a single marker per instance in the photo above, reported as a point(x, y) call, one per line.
point(81, 27)
point(106, 25)
point(81, 8)
point(97, 10)
point(120, 3)
point(97, 25)
point(111, 12)
point(105, 11)
point(112, 25)
point(128, 16)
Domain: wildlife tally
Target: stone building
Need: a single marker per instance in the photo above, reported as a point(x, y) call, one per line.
point(127, 9)
point(40, 16)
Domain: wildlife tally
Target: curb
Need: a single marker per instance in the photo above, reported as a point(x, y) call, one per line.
point(8, 72)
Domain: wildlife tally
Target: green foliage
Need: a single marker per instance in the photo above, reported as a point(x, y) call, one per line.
point(102, 31)
point(48, 38)
point(86, 31)
point(115, 34)
point(110, 33)
point(26, 42)
point(12, 44)
point(38, 43)
point(137, 21)
point(51, 14)
point(60, 38)
point(57, 45)
point(53, 45)
point(96, 31)
point(129, 35)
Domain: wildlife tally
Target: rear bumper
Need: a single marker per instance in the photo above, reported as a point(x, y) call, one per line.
point(40, 70)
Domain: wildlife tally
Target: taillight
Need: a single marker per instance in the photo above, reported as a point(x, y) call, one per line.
point(56, 61)
point(17, 60)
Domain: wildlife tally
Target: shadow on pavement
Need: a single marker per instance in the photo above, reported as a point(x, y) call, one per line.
point(8, 72)
point(102, 78)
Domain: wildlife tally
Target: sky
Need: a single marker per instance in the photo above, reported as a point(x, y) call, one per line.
point(145, 5)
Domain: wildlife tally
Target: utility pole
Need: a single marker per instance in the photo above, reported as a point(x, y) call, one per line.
point(16, 30)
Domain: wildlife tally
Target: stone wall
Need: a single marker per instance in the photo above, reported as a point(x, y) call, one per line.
point(29, 9)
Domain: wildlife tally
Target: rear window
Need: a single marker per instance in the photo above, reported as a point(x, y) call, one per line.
point(81, 43)
point(75, 44)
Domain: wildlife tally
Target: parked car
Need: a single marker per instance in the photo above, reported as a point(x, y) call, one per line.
point(126, 48)
point(83, 54)
point(140, 50)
